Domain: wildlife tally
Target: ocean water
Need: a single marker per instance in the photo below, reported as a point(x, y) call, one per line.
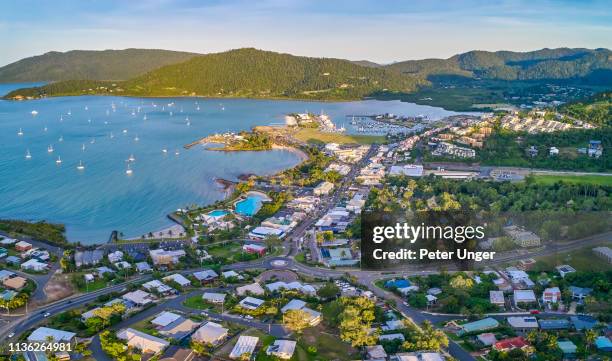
point(102, 133)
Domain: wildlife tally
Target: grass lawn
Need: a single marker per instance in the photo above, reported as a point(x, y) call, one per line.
point(583, 259)
point(329, 347)
point(224, 251)
point(585, 179)
point(311, 135)
point(197, 303)
point(146, 326)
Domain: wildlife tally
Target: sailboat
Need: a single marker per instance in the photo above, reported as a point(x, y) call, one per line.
point(34, 113)
point(131, 158)
point(136, 138)
point(28, 155)
point(80, 166)
point(61, 118)
point(45, 129)
point(128, 171)
point(111, 136)
point(83, 147)
point(69, 112)
point(198, 107)
point(20, 132)
point(124, 131)
point(164, 150)
point(50, 149)
point(145, 117)
point(188, 122)
point(170, 113)
point(61, 138)
point(86, 107)
point(92, 141)
point(59, 160)
point(176, 152)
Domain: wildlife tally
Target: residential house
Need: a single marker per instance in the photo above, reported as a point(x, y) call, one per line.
point(210, 333)
point(16, 283)
point(205, 276)
point(480, 325)
point(604, 252)
point(324, 188)
point(295, 286)
point(487, 339)
point(254, 248)
point(159, 287)
point(176, 353)
point(139, 297)
point(568, 348)
point(34, 265)
point(580, 293)
point(522, 237)
point(283, 349)
point(603, 344)
point(376, 352)
point(253, 288)
point(551, 295)
point(22, 246)
point(583, 322)
point(163, 257)
point(213, 297)
point(115, 257)
point(251, 303)
point(523, 323)
point(497, 298)
point(165, 318)
point(44, 334)
point(88, 258)
point(179, 279)
point(143, 267)
point(392, 337)
point(565, 269)
point(244, 346)
point(524, 297)
point(142, 341)
point(313, 317)
point(554, 324)
point(510, 344)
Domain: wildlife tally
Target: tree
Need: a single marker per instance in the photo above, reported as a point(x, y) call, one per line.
point(328, 291)
point(296, 320)
point(332, 311)
point(427, 338)
point(589, 337)
point(356, 321)
point(460, 281)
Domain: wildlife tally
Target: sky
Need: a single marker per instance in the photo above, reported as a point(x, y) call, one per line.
point(383, 31)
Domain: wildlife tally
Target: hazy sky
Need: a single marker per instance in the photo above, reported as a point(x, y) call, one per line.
point(378, 30)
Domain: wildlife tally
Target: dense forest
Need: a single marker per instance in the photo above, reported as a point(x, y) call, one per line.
point(91, 65)
point(563, 63)
point(249, 73)
point(596, 110)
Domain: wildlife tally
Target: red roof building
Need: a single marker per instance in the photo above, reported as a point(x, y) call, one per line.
point(510, 344)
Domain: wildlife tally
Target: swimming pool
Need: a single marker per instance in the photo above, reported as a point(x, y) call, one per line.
point(250, 205)
point(218, 213)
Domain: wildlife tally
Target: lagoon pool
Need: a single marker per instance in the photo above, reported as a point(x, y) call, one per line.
point(250, 205)
point(218, 213)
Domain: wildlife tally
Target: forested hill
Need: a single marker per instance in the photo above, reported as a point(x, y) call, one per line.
point(92, 65)
point(594, 66)
point(595, 110)
point(247, 73)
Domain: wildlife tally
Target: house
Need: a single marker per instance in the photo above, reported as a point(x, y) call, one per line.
point(313, 317)
point(213, 297)
point(102, 270)
point(7, 295)
point(15, 283)
point(34, 265)
point(138, 297)
point(253, 288)
point(431, 299)
point(323, 188)
point(159, 287)
point(487, 339)
point(88, 258)
point(551, 295)
point(480, 325)
point(393, 325)
point(524, 297)
point(23, 246)
point(142, 341)
point(5, 274)
point(165, 318)
point(178, 329)
point(522, 237)
point(565, 269)
point(434, 291)
point(176, 353)
point(254, 248)
point(399, 283)
point(231, 274)
point(583, 322)
point(143, 267)
point(210, 333)
point(122, 265)
point(604, 252)
point(162, 257)
point(43, 334)
point(418, 356)
point(568, 348)
point(580, 293)
point(89, 277)
point(14, 260)
point(244, 346)
point(205, 276)
point(554, 324)
point(376, 352)
point(115, 257)
point(523, 323)
point(603, 344)
point(294, 286)
point(283, 349)
point(510, 344)
point(178, 278)
point(497, 298)
point(261, 233)
point(251, 303)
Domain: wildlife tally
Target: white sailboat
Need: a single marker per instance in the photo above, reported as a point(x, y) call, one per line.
point(131, 158)
point(164, 150)
point(20, 132)
point(128, 171)
point(69, 112)
point(45, 129)
point(86, 107)
point(145, 117)
point(34, 113)
point(124, 131)
point(61, 138)
point(136, 139)
point(176, 152)
point(59, 160)
point(111, 135)
point(50, 149)
point(28, 155)
point(83, 147)
point(92, 141)
point(188, 122)
point(80, 166)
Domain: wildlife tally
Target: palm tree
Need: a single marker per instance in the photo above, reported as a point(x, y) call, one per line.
point(589, 337)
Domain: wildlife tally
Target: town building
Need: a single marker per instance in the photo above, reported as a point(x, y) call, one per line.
point(244, 346)
point(210, 333)
point(142, 341)
point(523, 323)
point(283, 349)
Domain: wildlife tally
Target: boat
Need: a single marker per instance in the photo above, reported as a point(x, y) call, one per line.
point(86, 107)
point(61, 118)
point(145, 117)
point(50, 149)
point(176, 152)
point(188, 122)
point(20, 132)
point(92, 141)
point(28, 155)
point(124, 131)
point(128, 171)
point(198, 107)
point(34, 113)
point(61, 138)
point(89, 121)
point(69, 112)
point(80, 166)
point(131, 158)
point(170, 113)
point(83, 147)
point(136, 138)
point(164, 150)
point(45, 129)
point(59, 160)
point(111, 135)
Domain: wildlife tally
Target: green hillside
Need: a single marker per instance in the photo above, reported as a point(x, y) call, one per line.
point(594, 66)
point(596, 110)
point(247, 73)
point(92, 65)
